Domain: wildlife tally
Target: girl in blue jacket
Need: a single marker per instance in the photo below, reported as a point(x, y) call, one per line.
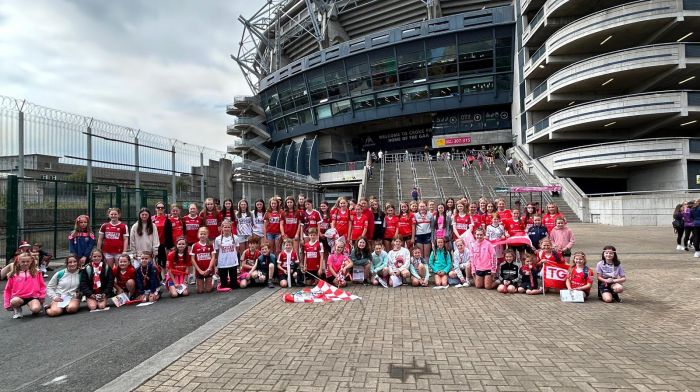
point(81, 240)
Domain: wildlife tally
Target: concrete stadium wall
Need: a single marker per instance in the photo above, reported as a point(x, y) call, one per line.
point(651, 209)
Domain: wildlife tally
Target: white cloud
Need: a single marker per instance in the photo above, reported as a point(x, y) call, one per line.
point(157, 65)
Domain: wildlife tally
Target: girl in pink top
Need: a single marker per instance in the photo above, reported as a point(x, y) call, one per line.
point(25, 286)
point(338, 266)
point(562, 238)
point(483, 258)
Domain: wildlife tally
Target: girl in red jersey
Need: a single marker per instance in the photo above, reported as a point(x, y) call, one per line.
point(324, 224)
point(547, 253)
point(528, 216)
point(228, 211)
point(124, 276)
point(312, 258)
point(580, 277)
point(178, 267)
point(249, 263)
point(475, 219)
point(501, 209)
point(174, 229)
point(211, 218)
point(358, 224)
point(203, 260)
point(272, 230)
point(290, 226)
point(460, 221)
point(406, 228)
point(288, 265)
point(490, 210)
point(191, 224)
point(310, 217)
point(341, 219)
point(515, 226)
point(391, 226)
point(159, 220)
point(113, 238)
point(549, 220)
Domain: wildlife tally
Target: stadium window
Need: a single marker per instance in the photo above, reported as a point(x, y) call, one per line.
point(299, 93)
point(292, 121)
point(503, 54)
point(476, 85)
point(323, 111)
point(285, 94)
point(444, 89)
point(362, 103)
point(340, 107)
point(387, 98)
point(414, 93)
point(273, 104)
point(383, 68)
point(335, 80)
point(358, 74)
point(280, 126)
point(476, 57)
point(411, 63)
point(442, 57)
point(317, 88)
point(304, 116)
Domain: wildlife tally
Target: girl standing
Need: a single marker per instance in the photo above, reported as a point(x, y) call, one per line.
point(442, 226)
point(25, 286)
point(378, 216)
point(259, 218)
point(611, 276)
point(483, 260)
point(81, 240)
point(324, 224)
point(272, 229)
point(225, 248)
point(245, 225)
point(391, 225)
point(63, 286)
point(113, 238)
point(203, 260)
point(144, 236)
point(290, 225)
point(341, 219)
point(211, 218)
point(406, 226)
point(160, 220)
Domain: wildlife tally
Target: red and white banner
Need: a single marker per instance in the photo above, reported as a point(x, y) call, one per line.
point(323, 292)
point(554, 275)
point(546, 188)
point(514, 240)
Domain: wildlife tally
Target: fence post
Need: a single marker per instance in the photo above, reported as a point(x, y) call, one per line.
point(118, 197)
point(88, 172)
point(201, 179)
point(173, 179)
point(55, 217)
point(137, 173)
point(11, 217)
point(20, 166)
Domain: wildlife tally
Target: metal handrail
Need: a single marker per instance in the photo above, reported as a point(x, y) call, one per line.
point(434, 175)
point(381, 182)
point(522, 177)
point(458, 180)
point(399, 194)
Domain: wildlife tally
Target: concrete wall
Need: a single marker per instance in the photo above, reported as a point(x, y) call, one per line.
point(637, 210)
point(662, 175)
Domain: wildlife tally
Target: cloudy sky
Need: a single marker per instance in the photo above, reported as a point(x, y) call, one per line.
point(158, 65)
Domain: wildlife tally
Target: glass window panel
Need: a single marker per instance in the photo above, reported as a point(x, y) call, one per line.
point(299, 94)
point(476, 85)
point(411, 63)
point(358, 74)
point(280, 125)
point(387, 98)
point(442, 57)
point(444, 90)
point(362, 103)
point(503, 54)
point(476, 57)
point(504, 82)
point(323, 111)
point(304, 116)
point(292, 121)
point(273, 104)
point(415, 93)
point(341, 107)
point(336, 81)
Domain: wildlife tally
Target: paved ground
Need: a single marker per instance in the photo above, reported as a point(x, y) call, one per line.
point(87, 350)
point(468, 339)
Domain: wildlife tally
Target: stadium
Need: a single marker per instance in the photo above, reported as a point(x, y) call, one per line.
point(599, 97)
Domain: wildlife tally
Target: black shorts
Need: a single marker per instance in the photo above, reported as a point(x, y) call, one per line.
point(525, 284)
point(604, 288)
point(483, 273)
point(30, 299)
point(423, 239)
point(200, 276)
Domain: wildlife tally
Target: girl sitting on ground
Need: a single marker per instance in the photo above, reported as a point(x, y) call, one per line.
point(124, 276)
point(63, 287)
point(611, 276)
point(177, 269)
point(440, 263)
point(420, 273)
point(96, 281)
point(338, 266)
point(460, 263)
point(25, 286)
point(529, 276)
point(508, 274)
point(380, 267)
point(579, 277)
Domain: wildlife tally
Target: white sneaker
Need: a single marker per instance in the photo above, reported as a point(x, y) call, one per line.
point(697, 254)
point(17, 315)
point(679, 247)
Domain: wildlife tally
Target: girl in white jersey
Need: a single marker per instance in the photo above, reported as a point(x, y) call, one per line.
point(225, 247)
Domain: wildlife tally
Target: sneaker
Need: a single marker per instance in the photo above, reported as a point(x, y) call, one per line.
point(17, 315)
point(679, 247)
point(697, 254)
point(46, 275)
point(270, 285)
point(191, 280)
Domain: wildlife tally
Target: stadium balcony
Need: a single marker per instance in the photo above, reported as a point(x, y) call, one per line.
point(641, 69)
point(624, 117)
point(245, 106)
point(250, 149)
point(615, 28)
point(246, 125)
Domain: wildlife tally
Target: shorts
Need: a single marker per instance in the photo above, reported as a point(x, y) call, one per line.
point(405, 238)
point(308, 276)
point(272, 236)
point(200, 276)
point(360, 263)
point(112, 256)
point(423, 239)
point(329, 279)
point(378, 233)
point(525, 284)
point(242, 238)
point(604, 288)
point(243, 275)
point(29, 299)
point(483, 274)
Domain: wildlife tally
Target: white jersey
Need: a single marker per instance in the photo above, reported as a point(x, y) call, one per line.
point(226, 250)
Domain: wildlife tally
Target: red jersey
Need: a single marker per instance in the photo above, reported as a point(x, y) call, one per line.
point(114, 235)
point(178, 265)
point(505, 214)
point(460, 224)
point(550, 220)
point(405, 224)
point(230, 215)
point(486, 219)
point(359, 224)
point(283, 260)
point(313, 254)
point(552, 257)
point(370, 222)
point(212, 220)
point(159, 222)
point(579, 279)
point(177, 228)
point(273, 222)
point(291, 223)
point(191, 228)
point(342, 222)
point(310, 220)
point(391, 225)
point(514, 227)
point(202, 254)
point(123, 276)
point(477, 220)
point(248, 260)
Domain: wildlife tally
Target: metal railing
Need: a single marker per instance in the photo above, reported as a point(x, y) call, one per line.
point(441, 192)
point(344, 166)
point(458, 180)
point(381, 182)
point(399, 193)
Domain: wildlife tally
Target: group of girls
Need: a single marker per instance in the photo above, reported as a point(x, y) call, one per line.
point(286, 242)
point(686, 225)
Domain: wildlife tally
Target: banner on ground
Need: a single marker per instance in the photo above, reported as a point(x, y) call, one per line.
point(323, 292)
point(554, 275)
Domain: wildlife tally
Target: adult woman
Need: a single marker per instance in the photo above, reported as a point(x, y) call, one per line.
point(62, 289)
point(144, 236)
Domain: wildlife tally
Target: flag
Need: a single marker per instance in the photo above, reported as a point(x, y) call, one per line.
point(323, 292)
point(514, 241)
point(554, 275)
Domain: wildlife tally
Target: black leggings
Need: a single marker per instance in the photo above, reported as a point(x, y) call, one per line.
point(696, 238)
point(229, 277)
point(679, 236)
point(686, 236)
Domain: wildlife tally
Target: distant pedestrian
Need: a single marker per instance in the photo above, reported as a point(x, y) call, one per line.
point(414, 194)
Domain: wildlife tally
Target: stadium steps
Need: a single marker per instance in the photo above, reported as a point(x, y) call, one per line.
point(425, 182)
point(447, 181)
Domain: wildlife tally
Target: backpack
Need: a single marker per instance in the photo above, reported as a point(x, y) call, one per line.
point(677, 224)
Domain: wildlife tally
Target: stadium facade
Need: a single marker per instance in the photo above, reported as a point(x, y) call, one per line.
point(599, 95)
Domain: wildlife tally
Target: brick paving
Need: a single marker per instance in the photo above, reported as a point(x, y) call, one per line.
point(468, 339)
